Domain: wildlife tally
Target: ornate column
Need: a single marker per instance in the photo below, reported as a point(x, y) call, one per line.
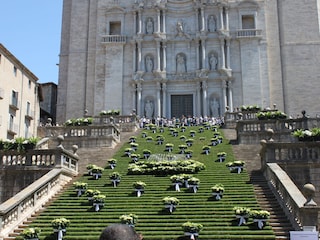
point(139, 56)
point(134, 96)
point(198, 113)
point(164, 51)
point(158, 55)
point(223, 59)
point(197, 54)
point(205, 98)
point(158, 21)
point(203, 48)
point(227, 18)
point(228, 54)
point(164, 21)
point(224, 93)
point(164, 99)
point(135, 22)
point(134, 62)
point(197, 18)
point(158, 100)
point(202, 20)
point(230, 95)
point(140, 21)
point(139, 93)
point(221, 17)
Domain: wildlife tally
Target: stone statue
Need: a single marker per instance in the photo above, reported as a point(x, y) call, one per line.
point(214, 107)
point(181, 64)
point(149, 26)
point(149, 64)
point(211, 24)
point(148, 108)
point(213, 62)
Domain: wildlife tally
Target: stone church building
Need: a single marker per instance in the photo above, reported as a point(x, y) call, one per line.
point(188, 57)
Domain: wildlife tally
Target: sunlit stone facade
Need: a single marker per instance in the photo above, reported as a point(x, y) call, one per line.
point(187, 57)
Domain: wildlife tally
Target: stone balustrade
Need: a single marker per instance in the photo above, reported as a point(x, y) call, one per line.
point(21, 206)
point(43, 158)
point(292, 201)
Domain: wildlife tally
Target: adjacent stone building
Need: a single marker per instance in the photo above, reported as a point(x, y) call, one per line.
point(188, 57)
point(19, 98)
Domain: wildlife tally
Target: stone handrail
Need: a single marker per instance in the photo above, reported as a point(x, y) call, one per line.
point(290, 198)
point(43, 158)
point(21, 206)
point(289, 153)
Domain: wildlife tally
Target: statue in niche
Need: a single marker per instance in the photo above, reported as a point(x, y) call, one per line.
point(181, 64)
point(214, 107)
point(211, 24)
point(149, 26)
point(149, 63)
point(148, 108)
point(213, 62)
point(180, 29)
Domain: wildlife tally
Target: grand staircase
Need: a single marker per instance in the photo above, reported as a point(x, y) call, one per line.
point(248, 189)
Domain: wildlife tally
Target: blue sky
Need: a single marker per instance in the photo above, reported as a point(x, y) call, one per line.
point(31, 31)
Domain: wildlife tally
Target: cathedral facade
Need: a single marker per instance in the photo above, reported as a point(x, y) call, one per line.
point(173, 58)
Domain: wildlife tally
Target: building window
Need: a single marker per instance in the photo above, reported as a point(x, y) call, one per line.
point(29, 84)
point(248, 22)
point(11, 122)
point(15, 71)
point(0, 58)
point(115, 28)
point(14, 99)
point(28, 109)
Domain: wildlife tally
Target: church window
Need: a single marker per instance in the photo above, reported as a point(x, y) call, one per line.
point(248, 22)
point(115, 28)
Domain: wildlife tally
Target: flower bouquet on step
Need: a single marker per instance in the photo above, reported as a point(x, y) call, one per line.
point(170, 203)
point(217, 191)
point(194, 184)
point(80, 187)
point(31, 233)
point(112, 163)
point(59, 226)
point(129, 219)
point(92, 192)
point(98, 201)
point(139, 187)
point(242, 213)
point(192, 229)
point(259, 217)
point(115, 178)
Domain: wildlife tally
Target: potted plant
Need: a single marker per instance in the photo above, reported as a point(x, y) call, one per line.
point(259, 217)
point(129, 219)
point(92, 192)
point(235, 166)
point(221, 156)
point(217, 191)
point(98, 201)
point(30, 143)
point(183, 128)
point(96, 172)
point(59, 226)
point(192, 133)
point(189, 142)
point(31, 233)
point(149, 139)
point(128, 151)
point(170, 203)
point(177, 181)
point(206, 149)
point(182, 148)
point(115, 178)
point(112, 163)
point(80, 187)
point(160, 140)
point(193, 184)
point(192, 229)
point(132, 139)
point(134, 146)
point(146, 153)
point(188, 153)
point(169, 147)
point(242, 213)
point(139, 187)
point(89, 168)
point(183, 138)
point(201, 129)
point(144, 134)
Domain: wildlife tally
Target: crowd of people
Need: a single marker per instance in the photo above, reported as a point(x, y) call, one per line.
point(183, 121)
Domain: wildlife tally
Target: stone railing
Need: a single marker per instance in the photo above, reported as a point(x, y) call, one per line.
point(252, 131)
point(44, 158)
point(21, 206)
point(300, 211)
point(249, 33)
point(114, 39)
